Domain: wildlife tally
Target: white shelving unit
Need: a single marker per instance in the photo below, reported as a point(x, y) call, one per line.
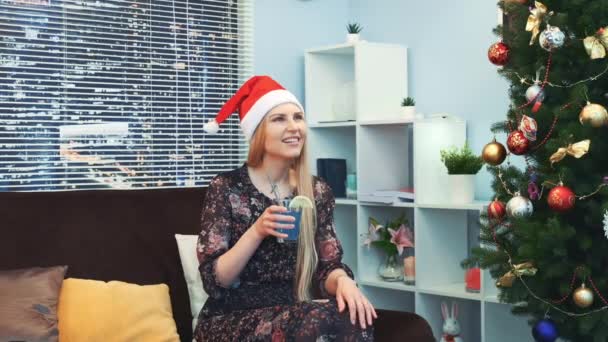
point(353, 94)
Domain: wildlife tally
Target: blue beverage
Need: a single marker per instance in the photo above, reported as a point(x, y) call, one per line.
point(292, 234)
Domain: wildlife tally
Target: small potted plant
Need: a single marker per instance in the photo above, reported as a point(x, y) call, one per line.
point(408, 108)
point(394, 238)
point(353, 32)
point(462, 166)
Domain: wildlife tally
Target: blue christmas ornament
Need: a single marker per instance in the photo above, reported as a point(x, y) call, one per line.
point(533, 177)
point(551, 38)
point(545, 331)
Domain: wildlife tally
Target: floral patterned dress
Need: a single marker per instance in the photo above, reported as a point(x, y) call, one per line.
point(261, 306)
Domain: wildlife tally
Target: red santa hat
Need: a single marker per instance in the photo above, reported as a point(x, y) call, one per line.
point(253, 101)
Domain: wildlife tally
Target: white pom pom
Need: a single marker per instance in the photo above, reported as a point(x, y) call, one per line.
point(211, 127)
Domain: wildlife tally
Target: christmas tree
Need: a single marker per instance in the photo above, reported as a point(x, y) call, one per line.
point(544, 237)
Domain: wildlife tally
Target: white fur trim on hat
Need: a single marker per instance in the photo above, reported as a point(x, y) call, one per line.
point(262, 106)
point(211, 127)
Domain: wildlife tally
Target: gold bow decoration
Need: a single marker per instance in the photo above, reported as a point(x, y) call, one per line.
point(576, 150)
point(596, 45)
point(535, 19)
point(524, 269)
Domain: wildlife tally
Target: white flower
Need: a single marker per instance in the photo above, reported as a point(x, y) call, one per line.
point(372, 234)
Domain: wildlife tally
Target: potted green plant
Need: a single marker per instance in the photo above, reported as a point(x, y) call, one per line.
point(395, 238)
point(462, 165)
point(408, 108)
point(353, 30)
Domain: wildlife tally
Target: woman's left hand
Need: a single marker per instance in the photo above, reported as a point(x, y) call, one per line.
point(347, 293)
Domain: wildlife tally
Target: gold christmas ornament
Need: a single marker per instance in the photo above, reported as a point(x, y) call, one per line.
point(594, 114)
point(576, 150)
point(583, 297)
point(494, 153)
point(535, 19)
point(524, 269)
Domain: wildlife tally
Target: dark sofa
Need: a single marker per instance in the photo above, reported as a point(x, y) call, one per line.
point(128, 235)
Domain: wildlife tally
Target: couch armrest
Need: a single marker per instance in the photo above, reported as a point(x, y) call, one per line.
point(392, 326)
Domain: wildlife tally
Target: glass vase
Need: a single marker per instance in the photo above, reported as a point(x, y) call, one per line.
point(390, 269)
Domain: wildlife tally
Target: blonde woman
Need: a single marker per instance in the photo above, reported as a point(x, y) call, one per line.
point(259, 288)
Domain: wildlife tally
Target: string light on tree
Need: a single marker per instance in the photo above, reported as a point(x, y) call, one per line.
point(561, 151)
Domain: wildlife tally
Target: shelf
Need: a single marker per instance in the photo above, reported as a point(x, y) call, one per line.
point(395, 205)
point(395, 122)
point(339, 49)
point(477, 205)
point(492, 299)
point(346, 201)
point(349, 123)
point(393, 285)
point(454, 290)
point(352, 115)
point(333, 124)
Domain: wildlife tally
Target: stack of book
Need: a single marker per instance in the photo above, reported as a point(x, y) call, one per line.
point(389, 196)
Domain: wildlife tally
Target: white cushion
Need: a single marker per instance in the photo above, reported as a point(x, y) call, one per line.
point(186, 245)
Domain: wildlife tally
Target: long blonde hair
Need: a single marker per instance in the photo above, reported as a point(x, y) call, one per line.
point(299, 174)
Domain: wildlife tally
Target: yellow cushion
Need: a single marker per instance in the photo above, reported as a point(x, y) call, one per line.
point(91, 310)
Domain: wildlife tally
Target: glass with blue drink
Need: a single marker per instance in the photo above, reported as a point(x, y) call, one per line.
point(293, 233)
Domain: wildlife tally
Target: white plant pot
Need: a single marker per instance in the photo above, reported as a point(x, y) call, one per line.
point(408, 112)
point(461, 188)
point(352, 38)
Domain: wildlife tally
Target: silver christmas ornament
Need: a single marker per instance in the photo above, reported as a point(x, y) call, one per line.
point(519, 206)
point(551, 38)
point(533, 90)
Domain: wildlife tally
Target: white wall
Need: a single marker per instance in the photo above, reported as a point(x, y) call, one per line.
point(447, 41)
point(448, 66)
point(284, 29)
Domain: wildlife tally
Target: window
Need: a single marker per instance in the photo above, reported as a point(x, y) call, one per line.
point(114, 94)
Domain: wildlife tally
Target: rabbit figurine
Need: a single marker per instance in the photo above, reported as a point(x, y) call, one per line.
point(451, 327)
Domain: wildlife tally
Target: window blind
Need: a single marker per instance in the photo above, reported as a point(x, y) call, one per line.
point(114, 94)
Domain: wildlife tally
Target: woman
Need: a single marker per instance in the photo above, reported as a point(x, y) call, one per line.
point(260, 289)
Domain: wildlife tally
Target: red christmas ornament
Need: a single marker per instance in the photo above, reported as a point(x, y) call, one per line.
point(498, 53)
point(561, 198)
point(518, 143)
point(497, 210)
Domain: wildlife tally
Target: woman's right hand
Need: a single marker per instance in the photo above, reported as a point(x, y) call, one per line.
point(270, 220)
